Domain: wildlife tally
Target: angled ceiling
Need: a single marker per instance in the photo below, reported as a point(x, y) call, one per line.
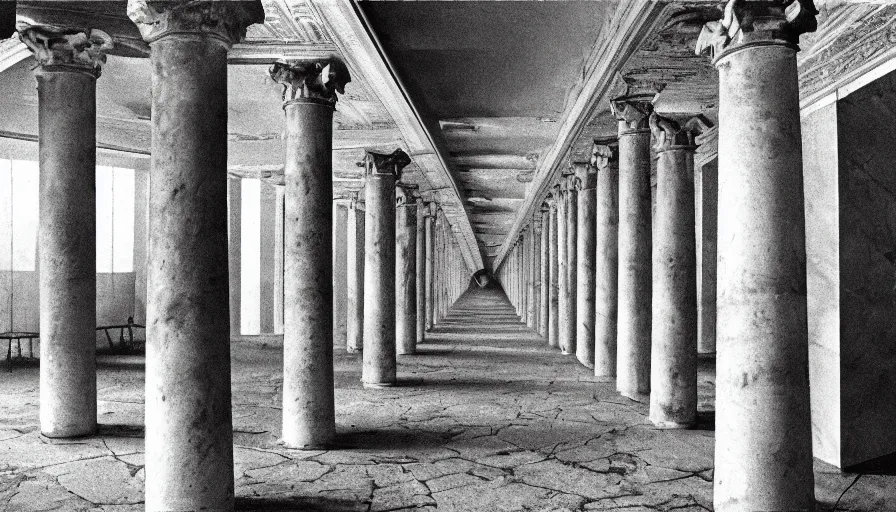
point(491, 80)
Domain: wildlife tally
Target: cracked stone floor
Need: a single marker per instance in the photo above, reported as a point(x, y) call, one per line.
point(487, 418)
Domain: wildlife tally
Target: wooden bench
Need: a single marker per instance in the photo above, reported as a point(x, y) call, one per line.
point(18, 336)
point(123, 342)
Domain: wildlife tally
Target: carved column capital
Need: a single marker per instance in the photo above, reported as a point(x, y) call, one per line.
point(668, 134)
point(377, 163)
point(311, 80)
point(404, 194)
point(748, 23)
point(605, 154)
point(75, 49)
point(226, 21)
point(632, 112)
point(546, 205)
point(584, 176)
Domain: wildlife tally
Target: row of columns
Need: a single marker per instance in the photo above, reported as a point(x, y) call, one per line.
point(189, 446)
point(618, 282)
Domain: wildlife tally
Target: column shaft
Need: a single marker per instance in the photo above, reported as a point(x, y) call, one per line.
point(763, 430)
point(606, 267)
point(585, 271)
point(569, 321)
point(141, 238)
point(406, 277)
point(279, 254)
point(309, 415)
point(354, 263)
point(189, 436)
point(420, 275)
point(673, 381)
point(67, 255)
point(634, 281)
point(429, 299)
point(554, 277)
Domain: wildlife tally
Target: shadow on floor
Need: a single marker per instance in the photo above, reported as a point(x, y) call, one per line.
point(389, 439)
point(294, 504)
point(885, 465)
point(116, 430)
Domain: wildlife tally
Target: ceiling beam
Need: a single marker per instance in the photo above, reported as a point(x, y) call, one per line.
point(363, 55)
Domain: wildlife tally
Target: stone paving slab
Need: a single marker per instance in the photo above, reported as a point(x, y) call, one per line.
point(486, 419)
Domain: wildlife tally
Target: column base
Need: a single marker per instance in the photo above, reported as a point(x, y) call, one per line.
point(587, 365)
point(637, 397)
point(671, 425)
point(413, 353)
point(353, 350)
point(378, 385)
point(71, 433)
point(565, 353)
point(308, 447)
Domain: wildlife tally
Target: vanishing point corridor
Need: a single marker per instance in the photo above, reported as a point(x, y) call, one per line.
point(486, 417)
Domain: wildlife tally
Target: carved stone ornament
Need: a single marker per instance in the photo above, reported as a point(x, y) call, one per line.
point(547, 204)
point(632, 111)
point(750, 22)
point(385, 164)
point(404, 194)
point(604, 153)
point(226, 21)
point(78, 48)
point(584, 177)
point(311, 79)
point(668, 134)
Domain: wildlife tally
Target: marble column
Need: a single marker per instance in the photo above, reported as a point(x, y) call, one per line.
point(309, 100)
point(706, 190)
point(568, 318)
point(421, 269)
point(605, 158)
point(544, 271)
point(235, 251)
point(69, 61)
point(586, 181)
point(673, 367)
point(533, 272)
point(354, 264)
point(405, 271)
point(554, 203)
point(562, 274)
point(763, 452)
point(340, 272)
point(189, 432)
point(634, 280)
point(429, 275)
point(382, 170)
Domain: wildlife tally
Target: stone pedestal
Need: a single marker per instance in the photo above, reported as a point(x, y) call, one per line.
point(605, 158)
point(763, 453)
point(634, 280)
point(420, 213)
point(66, 92)
point(381, 172)
point(673, 380)
point(189, 437)
point(309, 417)
point(354, 264)
point(586, 180)
point(405, 272)
point(554, 264)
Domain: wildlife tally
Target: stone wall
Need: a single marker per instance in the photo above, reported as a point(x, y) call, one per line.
point(849, 153)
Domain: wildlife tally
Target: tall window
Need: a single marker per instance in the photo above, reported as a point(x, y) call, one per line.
point(114, 220)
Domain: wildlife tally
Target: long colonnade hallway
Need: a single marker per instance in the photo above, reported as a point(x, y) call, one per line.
point(486, 417)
